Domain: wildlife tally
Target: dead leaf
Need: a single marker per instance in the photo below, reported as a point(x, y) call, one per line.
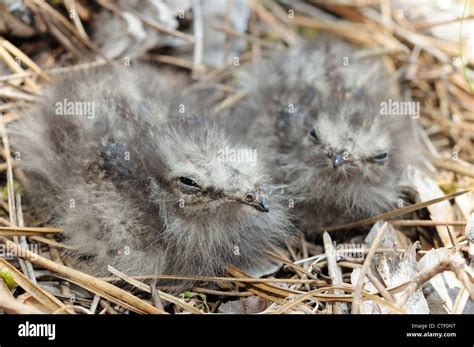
point(369, 306)
point(428, 189)
point(437, 289)
point(465, 203)
point(252, 304)
point(392, 238)
point(126, 34)
point(395, 269)
point(214, 13)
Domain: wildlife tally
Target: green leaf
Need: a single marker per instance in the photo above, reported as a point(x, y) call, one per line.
point(8, 279)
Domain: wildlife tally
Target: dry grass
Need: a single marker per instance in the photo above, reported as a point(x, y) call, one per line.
point(313, 279)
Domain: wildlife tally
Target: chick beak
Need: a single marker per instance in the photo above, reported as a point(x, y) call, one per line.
point(256, 200)
point(337, 159)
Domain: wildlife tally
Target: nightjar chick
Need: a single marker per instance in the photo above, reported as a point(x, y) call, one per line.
point(339, 144)
point(144, 179)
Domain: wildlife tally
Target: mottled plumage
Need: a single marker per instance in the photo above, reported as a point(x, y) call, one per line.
point(319, 108)
point(141, 183)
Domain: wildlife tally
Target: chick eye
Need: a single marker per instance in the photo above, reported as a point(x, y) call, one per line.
point(380, 157)
point(187, 185)
point(313, 135)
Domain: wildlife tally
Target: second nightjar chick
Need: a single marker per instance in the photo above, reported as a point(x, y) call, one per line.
point(338, 146)
point(145, 179)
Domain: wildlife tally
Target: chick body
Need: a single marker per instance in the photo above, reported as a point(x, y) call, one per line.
point(135, 174)
point(339, 148)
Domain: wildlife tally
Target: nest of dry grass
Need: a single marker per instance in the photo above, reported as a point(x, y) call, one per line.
point(313, 278)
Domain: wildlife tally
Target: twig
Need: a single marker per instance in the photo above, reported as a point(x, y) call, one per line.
point(56, 16)
point(50, 242)
point(198, 27)
point(337, 298)
point(274, 291)
point(380, 287)
point(461, 301)
point(424, 223)
point(397, 212)
point(454, 263)
point(146, 288)
point(47, 300)
point(334, 272)
point(230, 101)
point(29, 231)
point(230, 32)
point(12, 64)
point(221, 279)
point(73, 308)
point(363, 271)
point(289, 263)
point(10, 305)
point(228, 12)
point(470, 238)
point(24, 58)
point(102, 288)
point(267, 17)
point(55, 256)
point(218, 74)
point(74, 15)
point(12, 207)
point(427, 25)
point(168, 59)
point(453, 166)
point(220, 292)
point(28, 270)
point(146, 20)
point(95, 303)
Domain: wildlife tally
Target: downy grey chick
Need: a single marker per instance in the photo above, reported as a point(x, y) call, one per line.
point(139, 177)
point(320, 107)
